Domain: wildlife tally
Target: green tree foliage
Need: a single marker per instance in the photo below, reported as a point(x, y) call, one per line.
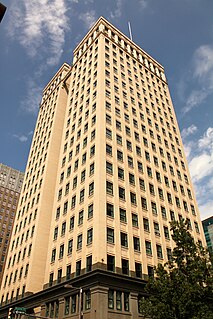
point(183, 287)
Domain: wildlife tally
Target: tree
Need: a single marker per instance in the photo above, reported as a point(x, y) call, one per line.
point(182, 288)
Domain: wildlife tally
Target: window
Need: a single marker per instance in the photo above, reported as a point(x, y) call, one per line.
point(72, 222)
point(91, 169)
point(108, 133)
point(108, 149)
point(118, 300)
point(91, 188)
point(59, 275)
point(126, 301)
point(148, 247)
point(109, 188)
point(124, 240)
point(134, 220)
point(53, 255)
point(146, 224)
point(63, 228)
point(136, 243)
point(122, 215)
point(166, 232)
point(79, 241)
point(131, 179)
point(143, 203)
point(121, 192)
point(89, 236)
point(70, 246)
point(130, 161)
point(120, 173)
point(61, 251)
point(120, 156)
point(133, 198)
point(55, 233)
point(110, 263)
point(159, 251)
point(89, 263)
point(163, 212)
point(78, 268)
point(125, 266)
point(110, 235)
point(109, 168)
point(110, 210)
point(111, 299)
point(149, 172)
point(90, 211)
point(87, 300)
point(73, 201)
point(80, 217)
point(138, 270)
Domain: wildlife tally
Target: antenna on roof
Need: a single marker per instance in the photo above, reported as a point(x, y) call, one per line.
point(130, 31)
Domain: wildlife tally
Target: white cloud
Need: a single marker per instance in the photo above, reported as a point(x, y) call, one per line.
point(32, 99)
point(200, 158)
point(117, 12)
point(206, 142)
point(201, 166)
point(203, 61)
point(202, 77)
point(23, 137)
point(206, 209)
point(143, 3)
point(39, 26)
point(195, 98)
point(89, 18)
point(188, 131)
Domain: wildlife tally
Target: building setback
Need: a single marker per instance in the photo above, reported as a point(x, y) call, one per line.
point(105, 176)
point(10, 187)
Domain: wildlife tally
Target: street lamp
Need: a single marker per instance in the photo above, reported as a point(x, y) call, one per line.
point(80, 315)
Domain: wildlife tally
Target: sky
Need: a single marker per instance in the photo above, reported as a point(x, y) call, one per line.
point(38, 36)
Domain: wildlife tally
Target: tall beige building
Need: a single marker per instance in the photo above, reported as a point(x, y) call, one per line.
point(10, 187)
point(105, 176)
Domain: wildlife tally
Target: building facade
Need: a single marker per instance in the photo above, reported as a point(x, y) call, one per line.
point(10, 187)
point(208, 232)
point(105, 176)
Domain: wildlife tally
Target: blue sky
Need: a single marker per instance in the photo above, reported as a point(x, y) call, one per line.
point(37, 36)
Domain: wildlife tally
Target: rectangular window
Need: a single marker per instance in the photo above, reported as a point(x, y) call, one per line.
point(148, 248)
point(134, 220)
point(110, 235)
point(110, 210)
point(110, 263)
point(70, 246)
point(111, 299)
point(79, 241)
point(124, 240)
point(123, 215)
point(90, 211)
point(136, 243)
point(146, 224)
point(121, 192)
point(159, 251)
point(125, 266)
point(89, 236)
point(78, 268)
point(109, 188)
point(89, 264)
point(126, 301)
point(138, 270)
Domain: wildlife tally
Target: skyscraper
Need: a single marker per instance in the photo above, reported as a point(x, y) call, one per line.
point(106, 174)
point(10, 187)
